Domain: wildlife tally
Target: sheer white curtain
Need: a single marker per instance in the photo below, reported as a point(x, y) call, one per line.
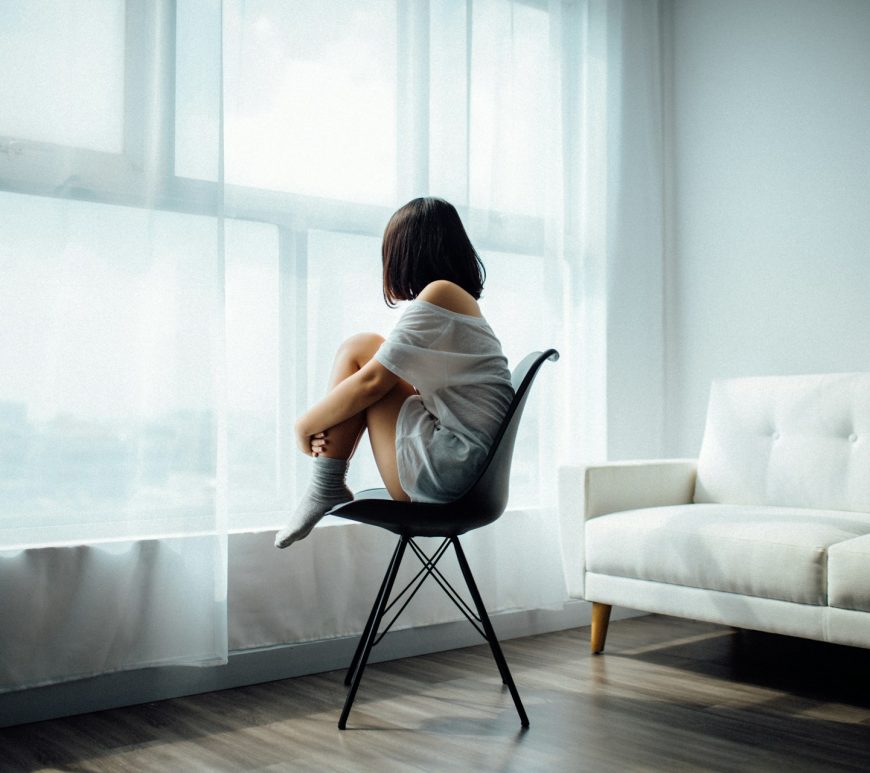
point(192, 195)
point(616, 247)
point(337, 114)
point(112, 407)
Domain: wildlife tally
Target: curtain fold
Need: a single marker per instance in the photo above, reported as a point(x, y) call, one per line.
point(78, 611)
point(615, 240)
point(328, 589)
point(112, 411)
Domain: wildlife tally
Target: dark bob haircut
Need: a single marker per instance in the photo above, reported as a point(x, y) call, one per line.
point(425, 241)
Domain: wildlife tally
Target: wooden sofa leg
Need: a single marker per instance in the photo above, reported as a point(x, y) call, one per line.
point(600, 619)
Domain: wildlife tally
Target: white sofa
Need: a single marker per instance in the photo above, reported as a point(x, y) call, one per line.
point(768, 530)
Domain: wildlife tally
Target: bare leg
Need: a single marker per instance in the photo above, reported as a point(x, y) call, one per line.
point(355, 352)
point(338, 443)
point(380, 419)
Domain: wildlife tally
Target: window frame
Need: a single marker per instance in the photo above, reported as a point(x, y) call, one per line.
point(39, 168)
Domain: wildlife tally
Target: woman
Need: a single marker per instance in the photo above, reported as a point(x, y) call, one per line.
point(432, 395)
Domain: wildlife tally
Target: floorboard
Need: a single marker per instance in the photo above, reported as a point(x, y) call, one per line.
point(667, 694)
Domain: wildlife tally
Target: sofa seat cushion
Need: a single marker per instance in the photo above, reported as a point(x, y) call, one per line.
point(849, 574)
point(768, 552)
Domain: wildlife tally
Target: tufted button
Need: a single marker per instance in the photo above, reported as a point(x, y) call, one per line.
point(853, 438)
point(775, 435)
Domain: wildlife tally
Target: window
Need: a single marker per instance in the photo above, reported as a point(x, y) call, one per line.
point(508, 107)
point(38, 41)
point(331, 114)
point(106, 388)
point(310, 98)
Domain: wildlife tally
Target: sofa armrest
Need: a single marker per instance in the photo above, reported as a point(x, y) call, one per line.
point(597, 489)
point(617, 486)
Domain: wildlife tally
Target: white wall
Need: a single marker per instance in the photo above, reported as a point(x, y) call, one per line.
point(768, 263)
point(633, 217)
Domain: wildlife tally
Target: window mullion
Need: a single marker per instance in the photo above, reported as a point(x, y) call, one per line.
point(469, 40)
point(149, 102)
point(412, 98)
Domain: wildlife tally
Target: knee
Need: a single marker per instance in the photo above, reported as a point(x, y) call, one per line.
point(361, 347)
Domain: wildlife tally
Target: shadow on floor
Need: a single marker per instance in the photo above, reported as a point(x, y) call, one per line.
point(814, 670)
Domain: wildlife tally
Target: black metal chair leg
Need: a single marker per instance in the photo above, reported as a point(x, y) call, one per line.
point(373, 630)
point(490, 633)
point(503, 670)
point(362, 639)
point(499, 661)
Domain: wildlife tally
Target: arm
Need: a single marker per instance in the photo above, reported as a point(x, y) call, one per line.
point(617, 486)
point(586, 492)
point(348, 398)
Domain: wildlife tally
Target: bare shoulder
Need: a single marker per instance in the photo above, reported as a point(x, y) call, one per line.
point(450, 296)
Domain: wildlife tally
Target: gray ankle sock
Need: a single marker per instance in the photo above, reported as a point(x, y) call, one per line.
point(326, 490)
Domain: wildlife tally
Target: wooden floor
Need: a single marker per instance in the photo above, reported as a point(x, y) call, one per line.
point(667, 694)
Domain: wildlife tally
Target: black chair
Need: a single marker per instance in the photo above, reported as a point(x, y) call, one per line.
point(483, 502)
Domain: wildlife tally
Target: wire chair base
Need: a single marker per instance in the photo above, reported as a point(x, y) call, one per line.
point(478, 617)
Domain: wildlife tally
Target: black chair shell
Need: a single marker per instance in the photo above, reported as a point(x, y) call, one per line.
point(483, 502)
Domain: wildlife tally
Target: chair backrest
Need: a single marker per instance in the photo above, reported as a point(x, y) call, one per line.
point(486, 498)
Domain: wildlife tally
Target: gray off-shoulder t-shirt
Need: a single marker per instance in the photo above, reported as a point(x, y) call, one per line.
point(444, 433)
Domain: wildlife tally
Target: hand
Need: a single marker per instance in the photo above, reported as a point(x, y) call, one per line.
point(303, 440)
point(311, 445)
point(318, 443)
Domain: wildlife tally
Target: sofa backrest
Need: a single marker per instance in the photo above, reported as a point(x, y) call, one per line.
point(799, 441)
